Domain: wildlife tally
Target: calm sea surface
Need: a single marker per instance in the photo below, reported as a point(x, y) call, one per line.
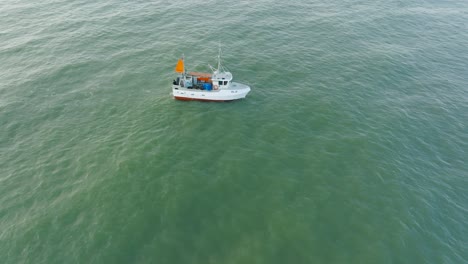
point(352, 146)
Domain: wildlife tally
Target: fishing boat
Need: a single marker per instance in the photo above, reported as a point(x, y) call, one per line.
point(202, 86)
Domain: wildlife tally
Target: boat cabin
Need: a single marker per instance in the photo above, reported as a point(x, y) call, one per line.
point(221, 80)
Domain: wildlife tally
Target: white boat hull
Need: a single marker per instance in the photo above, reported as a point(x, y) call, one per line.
point(235, 91)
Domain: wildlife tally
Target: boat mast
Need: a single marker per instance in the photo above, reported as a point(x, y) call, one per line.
point(183, 59)
point(215, 71)
point(219, 56)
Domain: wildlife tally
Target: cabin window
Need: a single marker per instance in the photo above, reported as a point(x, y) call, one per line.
point(220, 82)
point(225, 82)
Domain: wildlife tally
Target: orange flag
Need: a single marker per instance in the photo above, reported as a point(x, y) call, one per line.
point(180, 66)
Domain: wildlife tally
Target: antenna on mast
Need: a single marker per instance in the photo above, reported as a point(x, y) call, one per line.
point(219, 56)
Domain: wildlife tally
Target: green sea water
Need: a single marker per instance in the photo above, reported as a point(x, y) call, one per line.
point(352, 146)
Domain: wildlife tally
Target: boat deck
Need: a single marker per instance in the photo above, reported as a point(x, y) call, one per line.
point(233, 86)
